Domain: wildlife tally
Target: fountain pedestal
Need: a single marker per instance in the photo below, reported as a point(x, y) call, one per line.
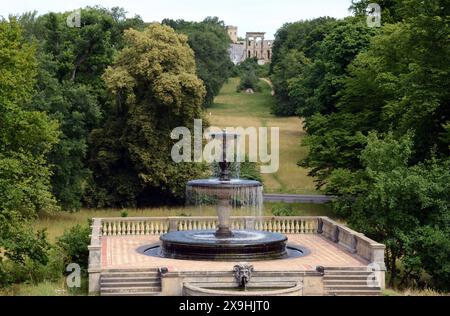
point(223, 215)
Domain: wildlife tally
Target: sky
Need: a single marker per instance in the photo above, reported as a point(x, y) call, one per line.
point(249, 15)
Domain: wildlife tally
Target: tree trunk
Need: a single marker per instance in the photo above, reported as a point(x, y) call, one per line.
point(393, 270)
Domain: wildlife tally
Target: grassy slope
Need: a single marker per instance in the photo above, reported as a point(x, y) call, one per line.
point(232, 109)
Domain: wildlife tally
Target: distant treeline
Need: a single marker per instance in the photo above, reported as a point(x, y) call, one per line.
point(376, 104)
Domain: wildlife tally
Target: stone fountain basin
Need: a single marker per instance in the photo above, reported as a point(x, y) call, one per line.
point(223, 189)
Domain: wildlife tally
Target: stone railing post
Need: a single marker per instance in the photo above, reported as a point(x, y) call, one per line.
point(173, 224)
point(95, 257)
point(249, 223)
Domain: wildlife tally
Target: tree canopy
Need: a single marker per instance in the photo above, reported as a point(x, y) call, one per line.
point(155, 89)
point(210, 42)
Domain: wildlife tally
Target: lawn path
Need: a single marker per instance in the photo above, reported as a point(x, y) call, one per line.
point(232, 109)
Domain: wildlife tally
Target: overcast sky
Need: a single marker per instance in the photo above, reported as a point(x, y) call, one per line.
point(248, 15)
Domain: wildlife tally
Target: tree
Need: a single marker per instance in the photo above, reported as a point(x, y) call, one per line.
point(155, 89)
point(314, 90)
point(210, 42)
point(296, 45)
point(405, 207)
point(249, 80)
point(69, 87)
point(398, 83)
point(26, 137)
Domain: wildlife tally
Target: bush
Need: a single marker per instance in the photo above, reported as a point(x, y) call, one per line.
point(249, 80)
point(283, 210)
point(74, 246)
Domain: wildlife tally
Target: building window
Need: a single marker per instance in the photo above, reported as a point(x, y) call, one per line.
point(268, 54)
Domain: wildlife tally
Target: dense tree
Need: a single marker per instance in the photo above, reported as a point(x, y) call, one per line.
point(210, 42)
point(296, 46)
point(69, 88)
point(394, 189)
point(405, 207)
point(399, 83)
point(26, 137)
point(314, 90)
point(155, 89)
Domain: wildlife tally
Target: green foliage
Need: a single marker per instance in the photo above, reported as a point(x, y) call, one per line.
point(399, 205)
point(377, 115)
point(295, 47)
point(69, 86)
point(155, 89)
point(283, 210)
point(262, 71)
point(74, 246)
point(210, 42)
point(26, 137)
point(249, 80)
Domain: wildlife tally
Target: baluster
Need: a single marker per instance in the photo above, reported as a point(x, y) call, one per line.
point(152, 228)
point(119, 228)
point(270, 226)
point(295, 226)
point(158, 228)
point(266, 226)
point(283, 226)
point(310, 228)
point(146, 229)
point(114, 229)
point(109, 229)
point(136, 228)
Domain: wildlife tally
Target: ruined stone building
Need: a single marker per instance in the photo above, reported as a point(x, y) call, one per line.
point(254, 45)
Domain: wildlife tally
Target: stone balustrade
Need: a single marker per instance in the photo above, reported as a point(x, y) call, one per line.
point(162, 225)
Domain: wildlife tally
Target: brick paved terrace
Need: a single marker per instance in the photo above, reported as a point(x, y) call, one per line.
point(117, 243)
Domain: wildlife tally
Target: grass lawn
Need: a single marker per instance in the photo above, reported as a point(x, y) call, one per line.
point(232, 109)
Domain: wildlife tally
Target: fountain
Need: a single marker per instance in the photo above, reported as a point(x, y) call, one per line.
point(225, 244)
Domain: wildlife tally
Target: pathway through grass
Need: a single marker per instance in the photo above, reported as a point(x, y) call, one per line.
point(233, 109)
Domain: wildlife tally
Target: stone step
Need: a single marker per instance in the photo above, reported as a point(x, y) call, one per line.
point(129, 279)
point(130, 284)
point(345, 269)
point(333, 288)
point(354, 293)
point(345, 277)
point(344, 282)
point(123, 290)
point(132, 294)
point(343, 272)
point(129, 275)
point(130, 270)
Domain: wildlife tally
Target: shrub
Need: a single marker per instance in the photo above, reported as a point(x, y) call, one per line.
point(74, 246)
point(283, 210)
point(249, 80)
